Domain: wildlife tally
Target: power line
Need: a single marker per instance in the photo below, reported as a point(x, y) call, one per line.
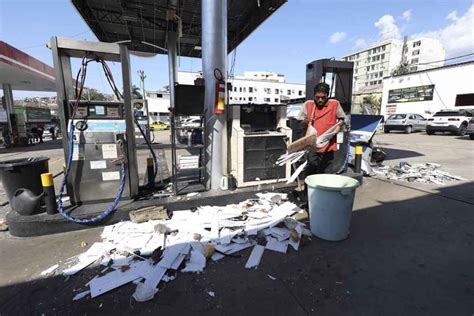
point(452, 58)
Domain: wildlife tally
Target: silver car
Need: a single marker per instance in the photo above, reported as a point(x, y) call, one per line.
point(407, 122)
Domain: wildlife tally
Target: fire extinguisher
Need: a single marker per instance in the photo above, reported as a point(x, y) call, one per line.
point(219, 104)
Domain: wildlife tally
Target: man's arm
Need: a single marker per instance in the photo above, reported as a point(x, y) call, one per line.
point(340, 116)
point(303, 117)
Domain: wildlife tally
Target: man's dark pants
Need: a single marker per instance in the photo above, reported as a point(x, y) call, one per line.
point(317, 163)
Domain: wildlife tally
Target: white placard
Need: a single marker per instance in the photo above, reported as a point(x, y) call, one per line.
point(98, 164)
point(110, 176)
point(109, 151)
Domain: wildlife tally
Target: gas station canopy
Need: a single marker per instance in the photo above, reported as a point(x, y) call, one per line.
point(24, 72)
point(140, 21)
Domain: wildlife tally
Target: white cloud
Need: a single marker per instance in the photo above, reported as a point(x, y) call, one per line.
point(337, 37)
point(453, 16)
point(457, 37)
point(360, 43)
point(406, 15)
point(388, 29)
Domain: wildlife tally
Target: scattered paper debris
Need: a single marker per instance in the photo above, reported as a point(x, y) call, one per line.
point(149, 252)
point(271, 277)
point(144, 293)
point(255, 257)
point(50, 270)
point(421, 173)
point(210, 293)
point(81, 295)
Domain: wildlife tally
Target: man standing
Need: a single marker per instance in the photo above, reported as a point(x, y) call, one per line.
point(321, 114)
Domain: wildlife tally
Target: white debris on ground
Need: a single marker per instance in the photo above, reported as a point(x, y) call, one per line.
point(151, 252)
point(423, 173)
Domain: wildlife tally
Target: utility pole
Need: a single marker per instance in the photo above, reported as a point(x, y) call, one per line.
point(142, 75)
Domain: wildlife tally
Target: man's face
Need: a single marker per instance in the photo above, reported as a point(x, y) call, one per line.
point(320, 98)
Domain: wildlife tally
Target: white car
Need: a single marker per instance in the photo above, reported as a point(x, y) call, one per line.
point(470, 129)
point(454, 121)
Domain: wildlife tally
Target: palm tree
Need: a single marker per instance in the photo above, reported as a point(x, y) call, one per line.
point(136, 92)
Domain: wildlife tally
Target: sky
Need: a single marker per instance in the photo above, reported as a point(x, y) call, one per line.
point(299, 32)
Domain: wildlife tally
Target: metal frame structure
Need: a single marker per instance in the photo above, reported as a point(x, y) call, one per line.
point(63, 50)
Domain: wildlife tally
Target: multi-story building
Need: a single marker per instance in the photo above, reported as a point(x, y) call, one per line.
point(264, 87)
point(255, 87)
point(374, 63)
point(424, 53)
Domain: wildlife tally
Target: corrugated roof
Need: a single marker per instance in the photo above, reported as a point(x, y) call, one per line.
point(145, 20)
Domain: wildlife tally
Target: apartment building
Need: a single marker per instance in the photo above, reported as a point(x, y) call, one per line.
point(376, 62)
point(255, 87)
point(264, 87)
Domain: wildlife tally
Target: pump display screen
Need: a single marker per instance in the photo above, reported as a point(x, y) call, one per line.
point(99, 110)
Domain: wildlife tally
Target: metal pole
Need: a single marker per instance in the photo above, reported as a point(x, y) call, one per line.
point(172, 80)
point(129, 121)
point(8, 96)
point(214, 57)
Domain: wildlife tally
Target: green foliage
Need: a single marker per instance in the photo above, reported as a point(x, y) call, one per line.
point(373, 102)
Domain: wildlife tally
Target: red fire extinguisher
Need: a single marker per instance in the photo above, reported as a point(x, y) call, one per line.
point(219, 105)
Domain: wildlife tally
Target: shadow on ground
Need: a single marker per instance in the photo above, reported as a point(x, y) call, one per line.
point(408, 257)
point(400, 154)
point(47, 145)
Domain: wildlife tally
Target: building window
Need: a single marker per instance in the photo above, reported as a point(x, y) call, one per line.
point(245, 89)
point(266, 99)
point(413, 69)
point(250, 98)
point(383, 48)
point(382, 56)
point(240, 99)
point(412, 94)
point(381, 74)
point(415, 52)
point(267, 90)
point(240, 89)
point(277, 91)
point(276, 100)
point(414, 61)
point(464, 99)
point(300, 92)
point(244, 99)
point(250, 89)
point(372, 67)
point(416, 44)
point(380, 81)
point(230, 98)
point(366, 84)
point(289, 92)
point(235, 89)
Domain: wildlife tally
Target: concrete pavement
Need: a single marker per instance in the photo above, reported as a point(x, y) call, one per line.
point(410, 251)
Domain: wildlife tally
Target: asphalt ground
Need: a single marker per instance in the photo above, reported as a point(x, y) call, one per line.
point(410, 252)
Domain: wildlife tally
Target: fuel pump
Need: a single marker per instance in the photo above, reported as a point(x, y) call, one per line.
point(96, 165)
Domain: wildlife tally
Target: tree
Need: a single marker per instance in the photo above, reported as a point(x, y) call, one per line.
point(136, 92)
point(401, 69)
point(92, 94)
point(372, 102)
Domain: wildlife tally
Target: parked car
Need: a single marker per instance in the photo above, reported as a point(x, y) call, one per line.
point(470, 129)
point(408, 122)
point(454, 121)
point(159, 126)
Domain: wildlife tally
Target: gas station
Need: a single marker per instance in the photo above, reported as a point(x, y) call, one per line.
point(20, 71)
point(239, 144)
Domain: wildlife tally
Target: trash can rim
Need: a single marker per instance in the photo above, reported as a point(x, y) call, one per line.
point(355, 183)
point(21, 162)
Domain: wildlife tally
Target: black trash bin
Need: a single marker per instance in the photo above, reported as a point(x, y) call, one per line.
point(23, 173)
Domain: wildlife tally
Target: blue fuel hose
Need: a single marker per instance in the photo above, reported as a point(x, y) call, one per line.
point(105, 213)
